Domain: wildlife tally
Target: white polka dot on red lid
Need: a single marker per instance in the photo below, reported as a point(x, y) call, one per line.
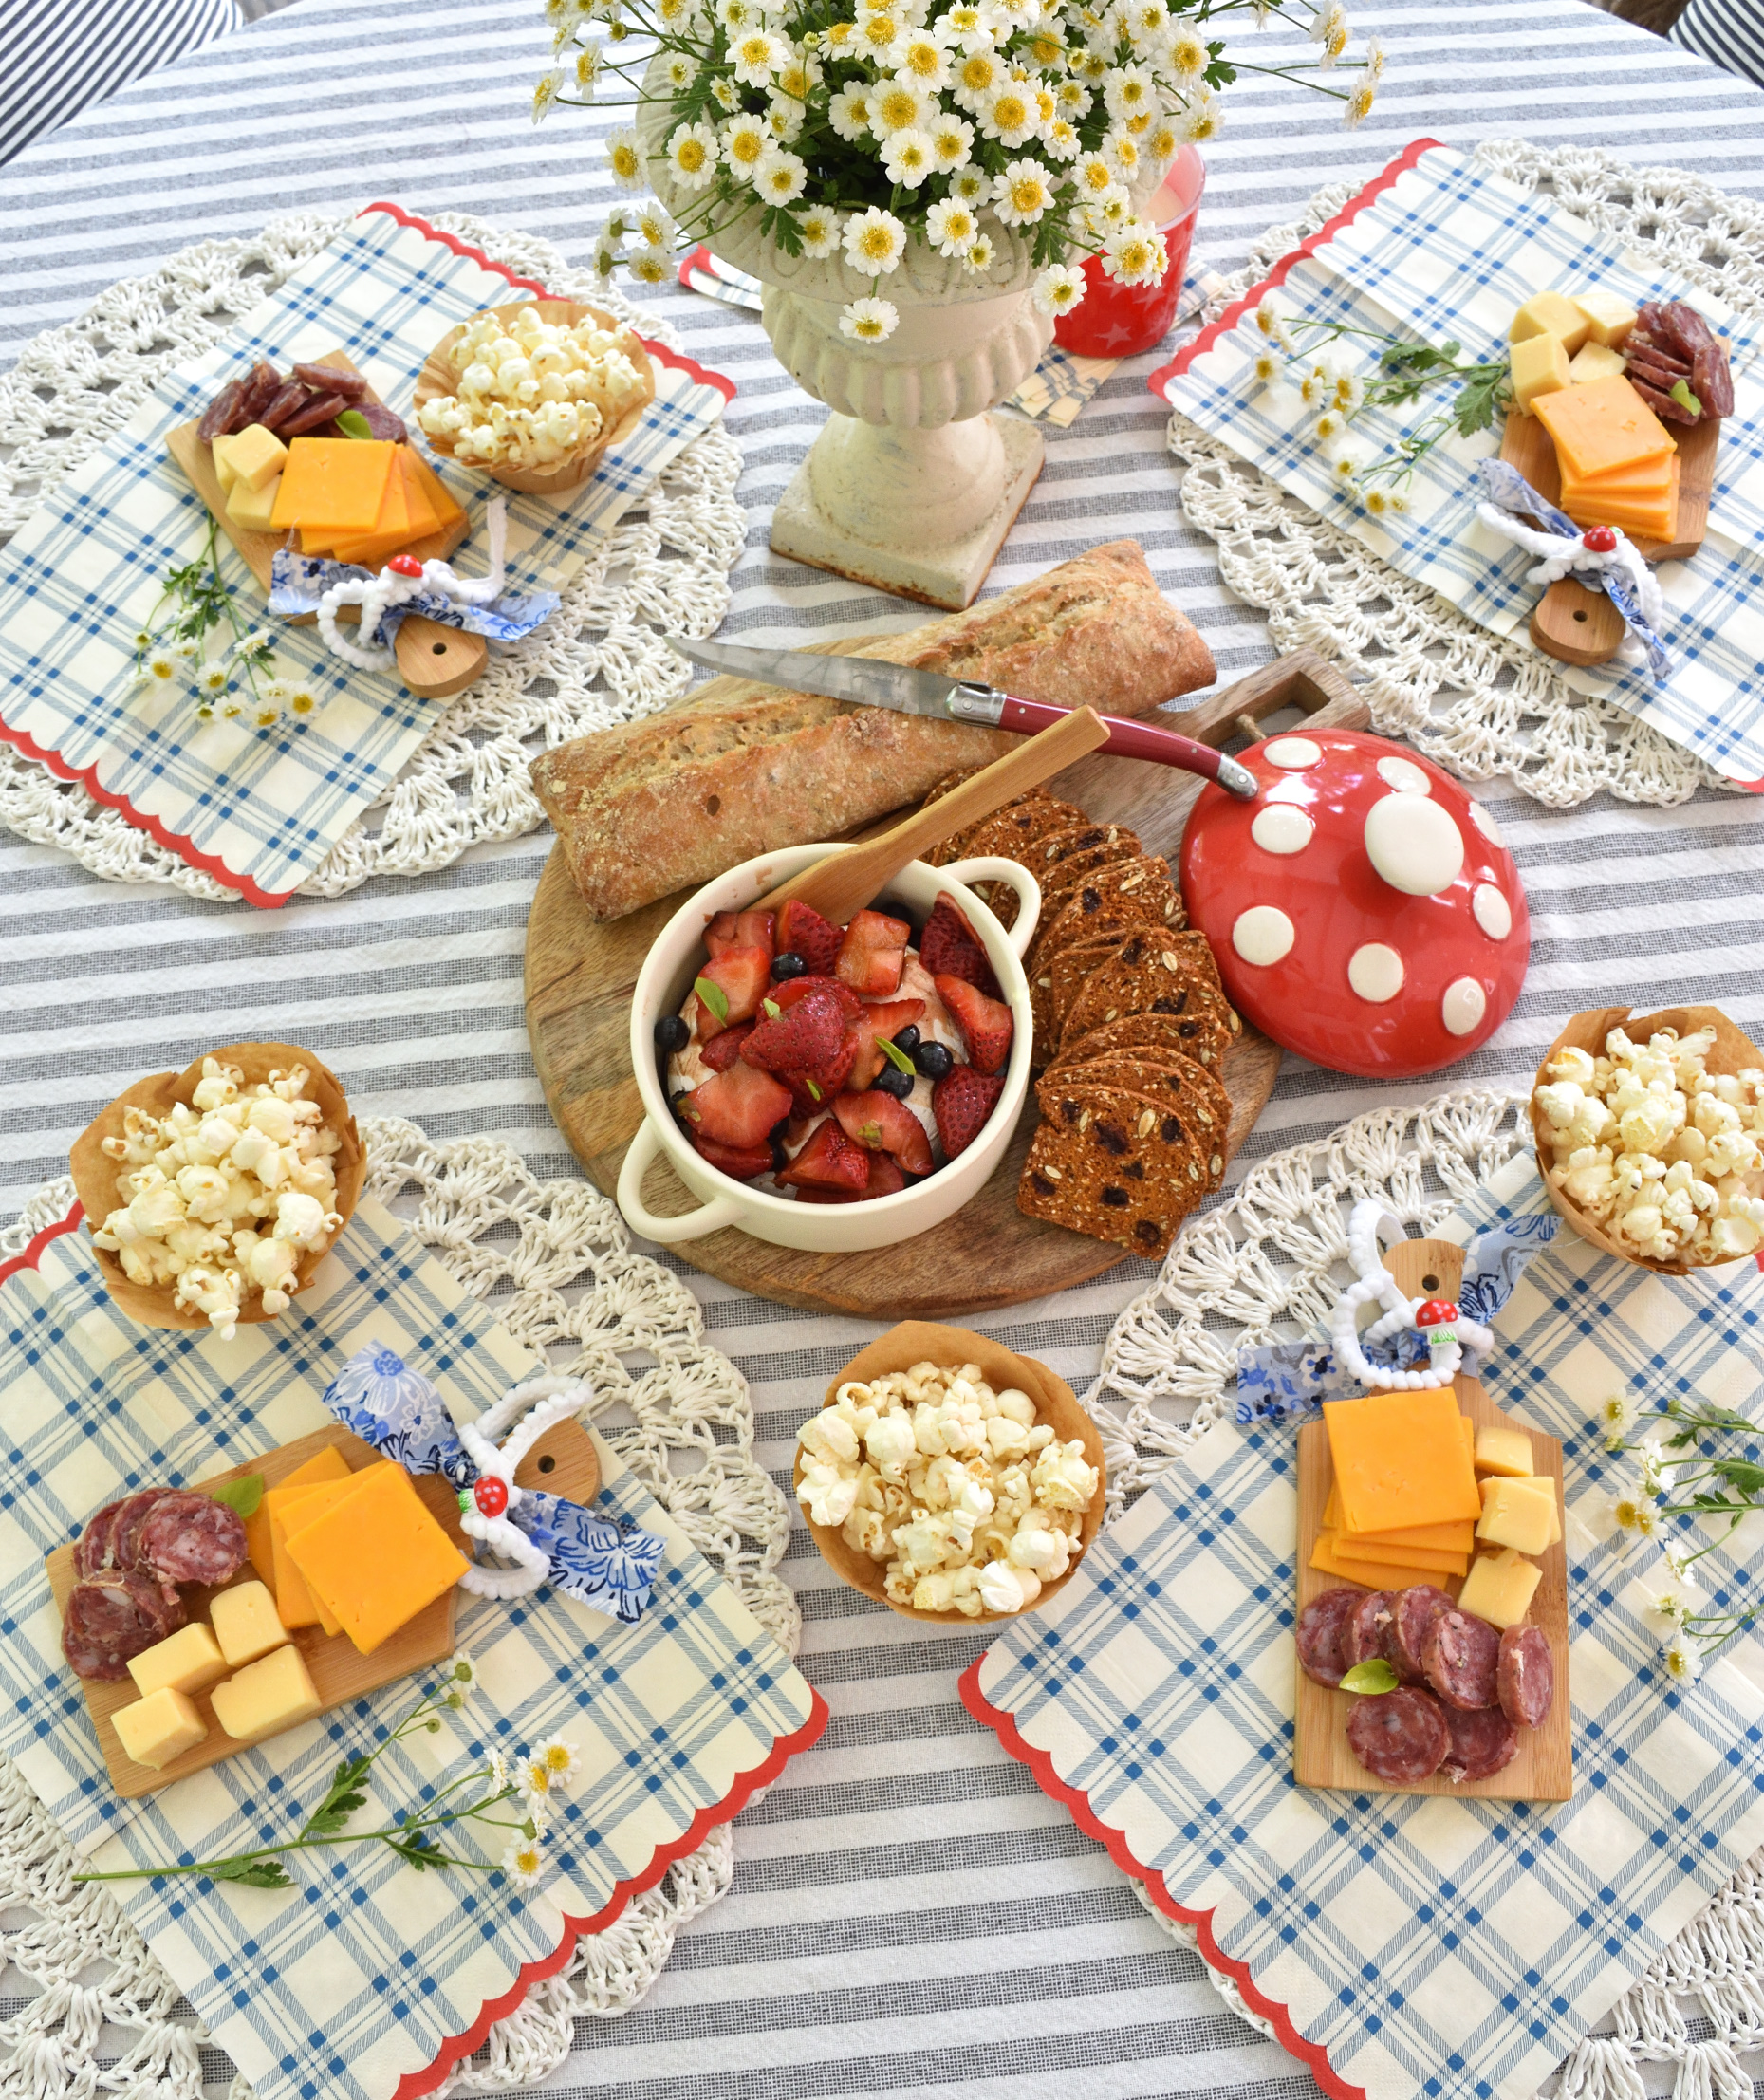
point(1292, 753)
point(1376, 973)
point(1463, 1006)
point(1494, 913)
point(1281, 828)
point(1485, 824)
point(1412, 841)
point(1263, 935)
point(1404, 776)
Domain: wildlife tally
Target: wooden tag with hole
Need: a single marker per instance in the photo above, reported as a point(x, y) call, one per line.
point(1575, 625)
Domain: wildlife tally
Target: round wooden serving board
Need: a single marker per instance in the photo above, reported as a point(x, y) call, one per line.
point(581, 977)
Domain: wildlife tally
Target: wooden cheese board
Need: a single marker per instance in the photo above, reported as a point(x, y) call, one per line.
point(563, 1462)
point(1570, 623)
point(581, 975)
point(434, 661)
point(1544, 1768)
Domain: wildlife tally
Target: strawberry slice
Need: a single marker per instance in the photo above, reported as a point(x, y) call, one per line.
point(721, 1051)
point(787, 994)
point(755, 930)
point(741, 1162)
point(830, 1159)
point(806, 1033)
point(881, 1123)
point(741, 976)
point(986, 1025)
point(961, 1101)
point(801, 931)
point(737, 1108)
point(875, 1025)
point(949, 947)
point(885, 1179)
point(722, 933)
point(814, 1090)
point(873, 954)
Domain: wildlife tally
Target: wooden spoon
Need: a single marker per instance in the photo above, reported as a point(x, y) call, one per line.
point(841, 886)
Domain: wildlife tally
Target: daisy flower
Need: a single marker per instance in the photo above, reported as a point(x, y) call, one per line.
point(875, 36)
point(799, 79)
point(648, 268)
point(678, 70)
point(1330, 428)
point(819, 230)
point(1268, 369)
point(726, 95)
point(561, 1759)
point(1375, 502)
point(1188, 55)
point(266, 716)
point(1360, 104)
point(1146, 23)
point(968, 27)
point(780, 177)
point(1161, 143)
point(744, 142)
point(908, 158)
point(654, 227)
point(969, 186)
point(533, 1778)
point(1048, 49)
point(756, 56)
point(1349, 392)
point(1651, 1461)
point(1667, 1612)
point(1273, 323)
point(499, 1764)
point(952, 142)
point(1022, 193)
point(918, 55)
point(1075, 101)
point(1121, 152)
point(187, 651)
point(1344, 470)
point(1633, 1515)
point(899, 105)
point(1058, 290)
point(868, 319)
point(588, 71)
point(692, 155)
point(977, 79)
point(838, 38)
point(1682, 1661)
point(1009, 115)
point(1374, 61)
point(1130, 88)
point(158, 667)
point(1332, 23)
point(980, 255)
point(738, 15)
point(875, 241)
point(849, 112)
point(1093, 176)
point(1133, 253)
point(1677, 1559)
point(627, 159)
point(547, 92)
point(1317, 388)
point(951, 227)
point(213, 678)
point(1400, 501)
point(302, 701)
point(784, 121)
point(1204, 119)
point(523, 1862)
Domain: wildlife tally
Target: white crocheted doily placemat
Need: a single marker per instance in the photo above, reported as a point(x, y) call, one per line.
point(553, 1261)
point(1484, 708)
point(599, 660)
point(1270, 1262)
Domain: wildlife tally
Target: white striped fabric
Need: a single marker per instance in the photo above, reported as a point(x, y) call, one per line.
point(1730, 32)
point(58, 57)
point(909, 1912)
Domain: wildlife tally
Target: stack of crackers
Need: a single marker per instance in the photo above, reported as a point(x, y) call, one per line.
point(1131, 1026)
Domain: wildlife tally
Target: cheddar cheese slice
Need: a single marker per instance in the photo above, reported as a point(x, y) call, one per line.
point(289, 1508)
point(328, 1464)
point(1329, 1560)
point(1403, 1458)
point(336, 484)
point(447, 512)
point(1601, 426)
point(392, 528)
point(1380, 1555)
point(377, 1557)
point(1441, 1538)
point(1646, 478)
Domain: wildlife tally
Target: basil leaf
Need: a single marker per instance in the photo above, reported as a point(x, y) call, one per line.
point(713, 996)
point(896, 1055)
point(353, 423)
point(1686, 399)
point(770, 1008)
point(813, 1089)
point(1370, 1678)
point(242, 1495)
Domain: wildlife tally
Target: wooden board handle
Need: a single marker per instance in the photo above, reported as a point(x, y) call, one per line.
point(1427, 1268)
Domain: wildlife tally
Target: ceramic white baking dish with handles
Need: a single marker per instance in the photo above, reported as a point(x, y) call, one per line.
point(833, 1228)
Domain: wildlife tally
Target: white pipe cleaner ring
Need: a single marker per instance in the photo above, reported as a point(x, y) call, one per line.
point(487, 1506)
point(1442, 1324)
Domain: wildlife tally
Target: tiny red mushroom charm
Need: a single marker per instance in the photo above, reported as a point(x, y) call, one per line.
point(1437, 1319)
point(491, 1494)
point(1364, 908)
point(1600, 539)
point(405, 564)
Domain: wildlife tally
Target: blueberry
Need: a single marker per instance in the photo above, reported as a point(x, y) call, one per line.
point(892, 1080)
point(776, 1135)
point(672, 1033)
point(933, 1059)
point(908, 1038)
point(780, 1158)
point(790, 965)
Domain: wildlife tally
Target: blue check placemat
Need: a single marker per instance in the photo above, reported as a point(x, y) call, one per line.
point(1411, 1945)
point(367, 1978)
point(1436, 248)
point(261, 809)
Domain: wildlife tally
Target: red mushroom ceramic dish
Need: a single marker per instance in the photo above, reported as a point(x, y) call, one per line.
point(1362, 908)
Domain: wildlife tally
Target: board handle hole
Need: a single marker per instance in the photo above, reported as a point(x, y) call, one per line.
point(439, 648)
point(547, 1465)
point(1430, 1283)
point(1581, 616)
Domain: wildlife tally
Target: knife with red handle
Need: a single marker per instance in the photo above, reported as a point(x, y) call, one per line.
point(872, 682)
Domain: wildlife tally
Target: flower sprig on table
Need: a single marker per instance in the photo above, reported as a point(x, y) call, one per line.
point(523, 1790)
point(231, 681)
point(1676, 1476)
point(1290, 351)
point(869, 125)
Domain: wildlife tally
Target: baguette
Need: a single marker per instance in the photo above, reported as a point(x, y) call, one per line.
point(672, 801)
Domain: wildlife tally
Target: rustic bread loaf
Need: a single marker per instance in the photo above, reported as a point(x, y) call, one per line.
point(670, 802)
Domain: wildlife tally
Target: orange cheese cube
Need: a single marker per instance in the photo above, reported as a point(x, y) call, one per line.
point(328, 1464)
point(1380, 1554)
point(377, 1557)
point(1441, 1538)
point(1401, 1459)
point(1601, 426)
point(333, 483)
point(295, 1606)
point(1328, 1559)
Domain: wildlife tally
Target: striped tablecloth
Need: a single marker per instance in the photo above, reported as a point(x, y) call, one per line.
point(909, 1911)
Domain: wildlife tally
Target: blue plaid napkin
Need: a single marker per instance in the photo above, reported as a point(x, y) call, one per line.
point(261, 809)
point(366, 1972)
point(1405, 1945)
point(1438, 247)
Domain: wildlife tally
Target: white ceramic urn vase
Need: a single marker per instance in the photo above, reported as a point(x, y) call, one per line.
point(912, 484)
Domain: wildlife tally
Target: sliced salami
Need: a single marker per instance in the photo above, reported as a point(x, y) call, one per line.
point(1321, 1655)
point(1483, 1742)
point(1367, 1626)
point(1459, 1659)
point(1524, 1676)
point(113, 1616)
point(190, 1537)
point(1399, 1735)
point(125, 1535)
point(1412, 1623)
point(93, 1552)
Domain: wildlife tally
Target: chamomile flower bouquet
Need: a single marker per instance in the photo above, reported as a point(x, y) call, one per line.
point(1003, 135)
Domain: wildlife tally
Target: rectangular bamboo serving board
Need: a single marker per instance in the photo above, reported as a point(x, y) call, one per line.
point(563, 1462)
point(1544, 1768)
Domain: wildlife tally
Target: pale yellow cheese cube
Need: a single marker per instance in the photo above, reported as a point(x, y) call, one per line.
point(252, 507)
point(1516, 1514)
point(1499, 1587)
point(1550, 313)
point(255, 455)
point(1539, 365)
point(158, 1728)
point(1609, 318)
point(1537, 1487)
point(188, 1660)
point(1594, 362)
point(266, 1697)
point(224, 470)
point(246, 1623)
point(1501, 1448)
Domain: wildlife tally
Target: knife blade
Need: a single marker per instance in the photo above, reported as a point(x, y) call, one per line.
point(870, 682)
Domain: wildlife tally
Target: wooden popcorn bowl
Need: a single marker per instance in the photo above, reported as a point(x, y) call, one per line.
point(437, 379)
point(95, 1172)
point(920, 1341)
point(1731, 1051)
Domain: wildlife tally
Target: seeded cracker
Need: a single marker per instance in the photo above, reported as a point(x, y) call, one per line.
point(1123, 893)
point(1148, 974)
point(1096, 847)
point(1168, 1077)
point(1132, 1031)
point(1072, 966)
point(1112, 1165)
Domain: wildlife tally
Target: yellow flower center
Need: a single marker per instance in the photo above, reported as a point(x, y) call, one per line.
point(869, 327)
point(878, 31)
point(1026, 193)
point(755, 50)
point(977, 73)
point(923, 60)
point(897, 108)
point(1011, 113)
point(690, 154)
point(747, 146)
point(876, 243)
point(624, 161)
